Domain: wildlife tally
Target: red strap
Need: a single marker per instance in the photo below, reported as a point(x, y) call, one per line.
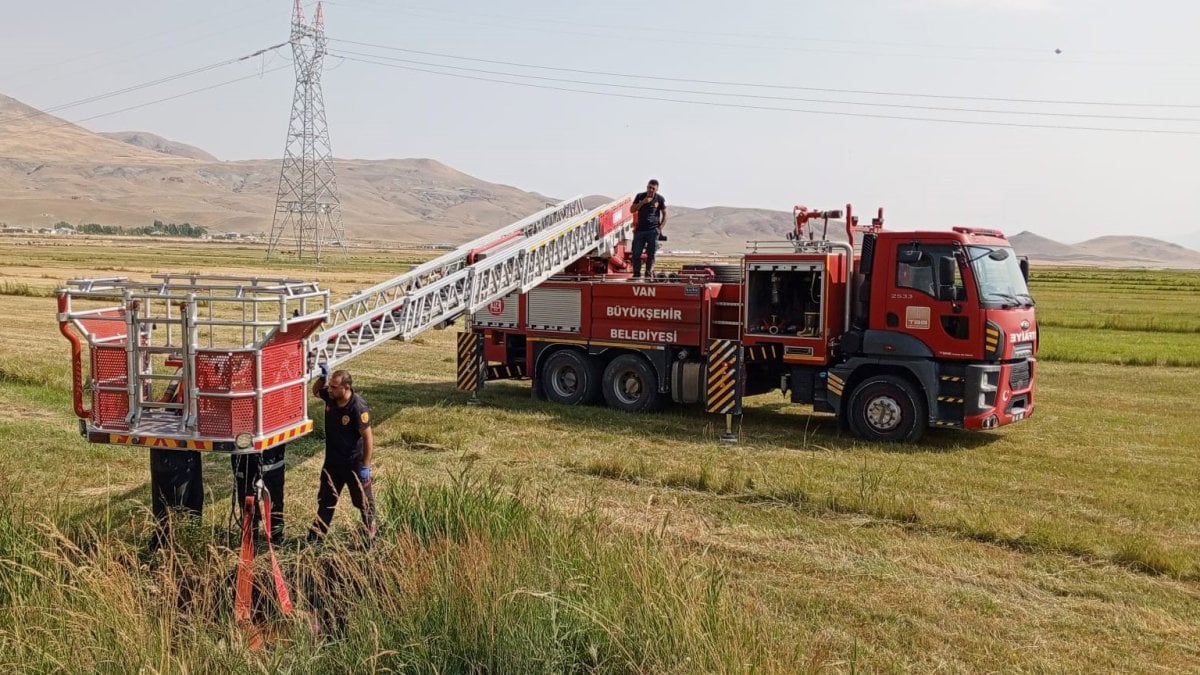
point(243, 596)
point(285, 600)
point(245, 576)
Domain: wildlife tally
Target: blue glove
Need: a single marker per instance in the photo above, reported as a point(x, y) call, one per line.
point(364, 474)
point(324, 367)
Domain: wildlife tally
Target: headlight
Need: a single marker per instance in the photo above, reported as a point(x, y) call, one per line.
point(243, 440)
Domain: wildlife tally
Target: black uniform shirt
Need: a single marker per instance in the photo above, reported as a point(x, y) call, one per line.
point(343, 429)
point(649, 217)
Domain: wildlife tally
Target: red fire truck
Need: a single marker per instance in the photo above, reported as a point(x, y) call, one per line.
point(892, 332)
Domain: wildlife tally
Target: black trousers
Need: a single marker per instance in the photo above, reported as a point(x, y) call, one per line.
point(268, 465)
point(335, 476)
point(176, 488)
point(644, 240)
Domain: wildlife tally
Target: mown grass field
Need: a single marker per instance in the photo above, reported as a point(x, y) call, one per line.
point(522, 537)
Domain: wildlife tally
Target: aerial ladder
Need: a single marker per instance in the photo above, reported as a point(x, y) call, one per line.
point(514, 258)
point(195, 362)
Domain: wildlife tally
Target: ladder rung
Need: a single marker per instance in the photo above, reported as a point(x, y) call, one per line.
point(162, 405)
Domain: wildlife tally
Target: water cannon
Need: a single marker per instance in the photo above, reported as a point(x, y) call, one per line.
point(803, 215)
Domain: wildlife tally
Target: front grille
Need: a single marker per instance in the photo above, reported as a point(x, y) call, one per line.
point(1019, 375)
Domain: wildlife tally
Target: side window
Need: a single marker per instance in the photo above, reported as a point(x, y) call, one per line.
point(916, 271)
point(960, 286)
point(917, 267)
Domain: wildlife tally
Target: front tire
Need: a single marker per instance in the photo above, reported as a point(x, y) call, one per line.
point(630, 384)
point(571, 377)
point(887, 409)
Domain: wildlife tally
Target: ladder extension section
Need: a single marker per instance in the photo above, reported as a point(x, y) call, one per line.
point(515, 258)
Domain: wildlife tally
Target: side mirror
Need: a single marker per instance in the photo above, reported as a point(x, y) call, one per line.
point(1024, 265)
point(947, 266)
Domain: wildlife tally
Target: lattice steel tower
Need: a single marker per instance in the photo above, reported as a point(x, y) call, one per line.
point(308, 200)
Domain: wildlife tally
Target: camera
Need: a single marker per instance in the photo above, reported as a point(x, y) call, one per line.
point(662, 237)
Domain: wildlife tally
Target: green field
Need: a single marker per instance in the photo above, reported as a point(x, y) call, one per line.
point(1119, 316)
point(523, 537)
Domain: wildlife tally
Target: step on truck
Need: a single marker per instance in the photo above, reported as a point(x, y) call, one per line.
point(893, 332)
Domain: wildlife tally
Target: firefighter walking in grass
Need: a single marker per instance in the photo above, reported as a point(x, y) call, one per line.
point(348, 446)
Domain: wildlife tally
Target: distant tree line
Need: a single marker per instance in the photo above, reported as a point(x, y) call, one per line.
point(158, 228)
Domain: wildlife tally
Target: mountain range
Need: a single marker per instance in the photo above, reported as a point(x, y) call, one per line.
point(52, 170)
point(1107, 251)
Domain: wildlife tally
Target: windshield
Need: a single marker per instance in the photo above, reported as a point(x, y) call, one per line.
point(1000, 281)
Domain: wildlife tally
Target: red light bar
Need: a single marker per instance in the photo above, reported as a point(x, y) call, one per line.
point(982, 231)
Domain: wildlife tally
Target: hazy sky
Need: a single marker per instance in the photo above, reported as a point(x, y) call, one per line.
point(1067, 184)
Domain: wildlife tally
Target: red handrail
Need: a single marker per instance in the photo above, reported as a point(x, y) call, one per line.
point(64, 326)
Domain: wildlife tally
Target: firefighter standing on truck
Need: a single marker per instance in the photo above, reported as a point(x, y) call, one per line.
point(651, 217)
point(348, 446)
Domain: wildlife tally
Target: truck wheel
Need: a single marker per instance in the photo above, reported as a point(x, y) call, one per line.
point(631, 385)
point(571, 377)
point(887, 409)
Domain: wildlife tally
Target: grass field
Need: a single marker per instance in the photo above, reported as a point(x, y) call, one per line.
point(521, 537)
point(1119, 316)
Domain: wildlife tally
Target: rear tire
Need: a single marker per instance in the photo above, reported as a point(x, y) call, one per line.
point(630, 384)
point(887, 409)
point(571, 377)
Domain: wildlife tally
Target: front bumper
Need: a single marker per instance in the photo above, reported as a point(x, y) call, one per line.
point(999, 394)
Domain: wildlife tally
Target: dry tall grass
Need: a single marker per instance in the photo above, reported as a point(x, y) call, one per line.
point(465, 577)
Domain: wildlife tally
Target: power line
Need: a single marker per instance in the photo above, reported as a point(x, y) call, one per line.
point(658, 39)
point(151, 36)
point(659, 30)
point(795, 42)
point(105, 64)
point(865, 92)
point(743, 106)
point(991, 111)
point(143, 85)
point(186, 93)
point(65, 123)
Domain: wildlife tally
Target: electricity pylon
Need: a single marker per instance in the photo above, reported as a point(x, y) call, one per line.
point(307, 201)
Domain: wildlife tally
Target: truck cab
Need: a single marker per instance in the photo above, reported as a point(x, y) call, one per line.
point(944, 329)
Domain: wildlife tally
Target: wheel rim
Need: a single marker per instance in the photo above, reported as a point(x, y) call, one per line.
point(628, 387)
point(883, 413)
point(565, 381)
